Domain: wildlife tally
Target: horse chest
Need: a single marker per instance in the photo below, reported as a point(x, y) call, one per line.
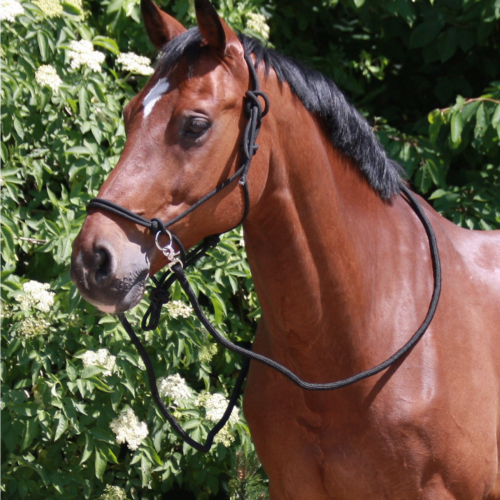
point(320, 450)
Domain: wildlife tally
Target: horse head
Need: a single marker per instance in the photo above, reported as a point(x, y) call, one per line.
point(184, 133)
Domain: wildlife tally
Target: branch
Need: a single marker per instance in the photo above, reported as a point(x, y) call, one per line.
point(472, 99)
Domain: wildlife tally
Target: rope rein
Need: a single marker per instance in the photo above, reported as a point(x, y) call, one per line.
point(179, 261)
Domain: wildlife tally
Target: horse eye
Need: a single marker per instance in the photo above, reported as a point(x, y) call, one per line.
point(195, 127)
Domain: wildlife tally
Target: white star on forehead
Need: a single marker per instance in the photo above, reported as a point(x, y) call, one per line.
point(154, 95)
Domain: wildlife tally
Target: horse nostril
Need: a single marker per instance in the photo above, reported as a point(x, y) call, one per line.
point(103, 263)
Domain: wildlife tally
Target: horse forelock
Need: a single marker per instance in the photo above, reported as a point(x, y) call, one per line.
point(349, 130)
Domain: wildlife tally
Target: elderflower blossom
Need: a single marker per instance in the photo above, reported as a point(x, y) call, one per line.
point(176, 309)
point(215, 406)
point(100, 358)
point(82, 53)
point(224, 437)
point(36, 295)
point(113, 493)
point(128, 429)
point(47, 75)
point(207, 352)
point(139, 65)
point(174, 387)
point(257, 23)
point(51, 8)
point(32, 327)
point(9, 9)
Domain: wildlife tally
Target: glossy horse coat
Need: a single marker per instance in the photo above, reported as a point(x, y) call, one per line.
point(341, 266)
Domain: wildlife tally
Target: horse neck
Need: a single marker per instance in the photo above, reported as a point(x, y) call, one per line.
point(311, 244)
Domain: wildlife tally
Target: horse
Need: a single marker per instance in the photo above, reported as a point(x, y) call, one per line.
point(341, 266)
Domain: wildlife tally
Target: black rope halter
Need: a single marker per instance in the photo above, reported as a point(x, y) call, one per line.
point(178, 261)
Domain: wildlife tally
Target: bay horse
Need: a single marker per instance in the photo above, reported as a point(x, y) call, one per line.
point(341, 266)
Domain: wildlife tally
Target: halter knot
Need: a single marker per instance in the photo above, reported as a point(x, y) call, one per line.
point(252, 100)
point(157, 225)
point(158, 297)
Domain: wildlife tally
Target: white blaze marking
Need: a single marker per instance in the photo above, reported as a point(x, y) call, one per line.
point(154, 95)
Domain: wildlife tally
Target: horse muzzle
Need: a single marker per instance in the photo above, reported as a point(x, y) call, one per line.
point(108, 270)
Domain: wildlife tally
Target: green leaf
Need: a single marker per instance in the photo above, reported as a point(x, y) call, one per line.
point(25, 409)
point(72, 9)
point(145, 470)
point(62, 425)
point(425, 33)
point(151, 453)
point(359, 3)
point(100, 384)
point(100, 463)
point(219, 306)
point(448, 44)
point(90, 371)
point(71, 371)
point(42, 45)
point(83, 102)
point(457, 125)
point(30, 432)
point(78, 150)
point(107, 43)
point(88, 448)
point(481, 123)
point(495, 120)
point(103, 435)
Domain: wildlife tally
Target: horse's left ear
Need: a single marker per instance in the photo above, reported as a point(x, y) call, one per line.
point(215, 31)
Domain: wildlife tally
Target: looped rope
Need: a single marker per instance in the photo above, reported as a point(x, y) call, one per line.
point(252, 99)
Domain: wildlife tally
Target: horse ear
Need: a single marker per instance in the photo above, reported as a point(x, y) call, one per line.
point(215, 31)
point(161, 27)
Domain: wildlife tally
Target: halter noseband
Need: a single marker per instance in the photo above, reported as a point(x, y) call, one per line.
point(178, 261)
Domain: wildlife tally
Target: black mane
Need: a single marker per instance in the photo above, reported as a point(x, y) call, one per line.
point(349, 131)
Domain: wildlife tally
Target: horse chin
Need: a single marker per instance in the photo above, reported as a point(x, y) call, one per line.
point(122, 295)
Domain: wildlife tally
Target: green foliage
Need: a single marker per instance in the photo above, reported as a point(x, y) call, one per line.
point(427, 73)
point(59, 144)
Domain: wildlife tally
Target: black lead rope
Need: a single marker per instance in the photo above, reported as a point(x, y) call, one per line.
point(180, 261)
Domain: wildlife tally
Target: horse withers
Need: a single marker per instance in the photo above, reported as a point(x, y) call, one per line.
point(341, 266)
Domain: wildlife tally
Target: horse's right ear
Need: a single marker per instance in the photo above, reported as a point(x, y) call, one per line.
point(161, 27)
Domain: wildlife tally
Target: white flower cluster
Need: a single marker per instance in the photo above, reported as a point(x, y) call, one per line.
point(32, 327)
point(36, 295)
point(100, 358)
point(9, 9)
point(174, 387)
point(128, 429)
point(215, 406)
point(51, 8)
point(139, 65)
point(82, 53)
point(47, 75)
point(224, 437)
point(113, 493)
point(257, 23)
point(176, 309)
point(207, 352)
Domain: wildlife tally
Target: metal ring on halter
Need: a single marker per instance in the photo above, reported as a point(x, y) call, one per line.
point(168, 245)
point(168, 250)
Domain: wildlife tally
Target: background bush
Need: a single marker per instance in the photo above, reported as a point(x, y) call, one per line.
point(425, 73)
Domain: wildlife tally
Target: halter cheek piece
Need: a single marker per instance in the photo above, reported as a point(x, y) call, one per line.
point(179, 260)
